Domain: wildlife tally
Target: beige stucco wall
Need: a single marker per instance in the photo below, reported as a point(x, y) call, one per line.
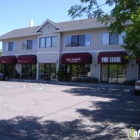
point(95, 42)
point(95, 67)
point(19, 50)
point(47, 58)
point(47, 31)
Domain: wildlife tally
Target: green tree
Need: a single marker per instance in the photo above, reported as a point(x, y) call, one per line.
point(122, 12)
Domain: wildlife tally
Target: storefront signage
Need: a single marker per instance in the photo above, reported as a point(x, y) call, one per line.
point(3, 61)
point(73, 60)
point(20, 61)
point(111, 60)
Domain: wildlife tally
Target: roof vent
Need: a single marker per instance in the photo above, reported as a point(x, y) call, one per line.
point(31, 23)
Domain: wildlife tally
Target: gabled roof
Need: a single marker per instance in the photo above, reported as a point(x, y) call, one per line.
point(88, 23)
point(30, 31)
point(47, 21)
point(73, 25)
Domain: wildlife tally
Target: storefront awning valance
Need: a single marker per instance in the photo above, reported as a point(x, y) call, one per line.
point(76, 58)
point(27, 59)
point(112, 57)
point(8, 60)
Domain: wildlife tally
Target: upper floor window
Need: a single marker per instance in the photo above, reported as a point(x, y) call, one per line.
point(78, 40)
point(10, 46)
point(29, 44)
point(112, 38)
point(48, 42)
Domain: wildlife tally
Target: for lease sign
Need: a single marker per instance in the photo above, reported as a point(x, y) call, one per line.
point(111, 59)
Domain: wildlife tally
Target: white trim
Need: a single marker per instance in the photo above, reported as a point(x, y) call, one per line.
point(19, 54)
point(114, 50)
point(47, 21)
point(50, 52)
point(76, 29)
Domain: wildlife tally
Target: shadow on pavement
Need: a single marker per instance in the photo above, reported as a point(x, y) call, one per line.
point(29, 128)
point(110, 120)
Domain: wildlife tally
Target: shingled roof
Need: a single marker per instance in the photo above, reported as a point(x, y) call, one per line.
point(80, 24)
point(64, 26)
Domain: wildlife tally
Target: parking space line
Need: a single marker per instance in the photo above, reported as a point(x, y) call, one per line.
point(31, 85)
point(42, 85)
point(36, 85)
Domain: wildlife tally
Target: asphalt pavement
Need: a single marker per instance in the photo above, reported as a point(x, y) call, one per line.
point(62, 111)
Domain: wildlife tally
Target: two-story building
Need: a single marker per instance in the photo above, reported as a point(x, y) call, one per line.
point(85, 47)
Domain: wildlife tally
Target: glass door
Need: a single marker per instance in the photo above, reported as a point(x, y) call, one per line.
point(104, 73)
point(113, 73)
point(47, 71)
point(68, 72)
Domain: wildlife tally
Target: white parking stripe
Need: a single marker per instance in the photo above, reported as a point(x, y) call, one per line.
point(42, 85)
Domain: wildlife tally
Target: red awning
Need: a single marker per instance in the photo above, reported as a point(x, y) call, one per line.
point(8, 60)
point(76, 58)
point(112, 57)
point(27, 59)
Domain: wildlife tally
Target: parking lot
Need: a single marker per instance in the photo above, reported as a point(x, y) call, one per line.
point(47, 111)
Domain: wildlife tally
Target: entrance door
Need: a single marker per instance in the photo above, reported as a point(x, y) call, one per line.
point(113, 73)
point(104, 73)
point(47, 71)
point(68, 72)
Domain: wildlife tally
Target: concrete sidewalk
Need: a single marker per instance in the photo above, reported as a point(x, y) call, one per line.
point(74, 83)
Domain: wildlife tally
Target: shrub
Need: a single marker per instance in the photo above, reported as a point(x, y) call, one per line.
point(60, 73)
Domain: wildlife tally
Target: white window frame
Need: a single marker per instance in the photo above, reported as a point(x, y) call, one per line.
point(7, 47)
point(120, 40)
point(86, 45)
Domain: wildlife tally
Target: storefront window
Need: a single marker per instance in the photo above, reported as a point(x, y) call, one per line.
point(121, 73)
point(53, 71)
point(47, 71)
point(41, 71)
point(1, 68)
point(10, 71)
point(113, 73)
point(74, 71)
point(28, 71)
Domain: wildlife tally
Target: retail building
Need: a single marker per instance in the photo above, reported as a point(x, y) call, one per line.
point(84, 47)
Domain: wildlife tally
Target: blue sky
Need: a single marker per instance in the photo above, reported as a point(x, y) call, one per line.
point(16, 14)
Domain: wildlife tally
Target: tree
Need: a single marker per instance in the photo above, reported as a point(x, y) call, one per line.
point(122, 12)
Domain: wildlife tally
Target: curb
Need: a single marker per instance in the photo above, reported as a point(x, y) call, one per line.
point(76, 84)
